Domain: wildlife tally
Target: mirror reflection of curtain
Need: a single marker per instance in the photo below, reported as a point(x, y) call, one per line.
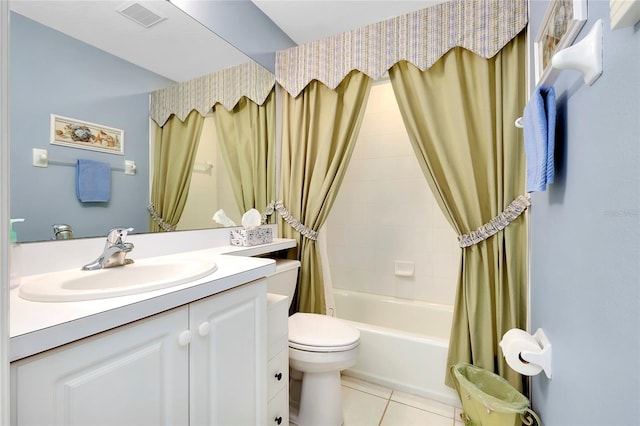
point(247, 140)
point(175, 147)
point(320, 128)
point(459, 115)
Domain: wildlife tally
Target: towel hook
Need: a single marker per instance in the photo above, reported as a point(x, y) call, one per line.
point(518, 123)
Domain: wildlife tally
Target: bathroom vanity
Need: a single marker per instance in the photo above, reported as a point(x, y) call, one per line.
point(212, 351)
point(165, 369)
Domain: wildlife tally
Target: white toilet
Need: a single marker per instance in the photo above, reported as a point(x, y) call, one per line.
point(320, 347)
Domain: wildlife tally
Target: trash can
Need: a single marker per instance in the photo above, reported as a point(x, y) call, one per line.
point(489, 400)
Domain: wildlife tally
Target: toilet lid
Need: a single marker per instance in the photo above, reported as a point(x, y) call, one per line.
point(321, 333)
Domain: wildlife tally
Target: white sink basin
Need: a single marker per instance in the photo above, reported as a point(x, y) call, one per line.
point(141, 276)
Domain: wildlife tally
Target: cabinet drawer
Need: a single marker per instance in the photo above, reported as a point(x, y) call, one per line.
point(278, 409)
point(277, 373)
point(277, 345)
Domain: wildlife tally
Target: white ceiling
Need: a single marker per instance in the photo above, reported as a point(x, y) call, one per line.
point(308, 20)
point(179, 48)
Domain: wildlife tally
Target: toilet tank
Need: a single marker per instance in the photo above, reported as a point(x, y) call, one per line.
point(284, 280)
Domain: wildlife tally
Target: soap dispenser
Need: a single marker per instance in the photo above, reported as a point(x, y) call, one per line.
point(15, 271)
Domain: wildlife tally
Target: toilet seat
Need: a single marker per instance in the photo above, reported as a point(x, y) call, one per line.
point(321, 333)
point(310, 348)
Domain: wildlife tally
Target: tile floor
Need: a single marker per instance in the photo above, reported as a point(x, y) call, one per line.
point(367, 404)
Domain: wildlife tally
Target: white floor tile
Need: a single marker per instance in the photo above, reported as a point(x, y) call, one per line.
point(362, 409)
point(367, 387)
point(424, 404)
point(403, 415)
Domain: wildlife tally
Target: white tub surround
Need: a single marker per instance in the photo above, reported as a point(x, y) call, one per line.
point(39, 326)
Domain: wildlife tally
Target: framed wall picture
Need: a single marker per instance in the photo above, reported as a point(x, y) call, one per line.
point(560, 26)
point(74, 133)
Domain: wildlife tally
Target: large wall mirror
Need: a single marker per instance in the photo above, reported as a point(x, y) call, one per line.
point(90, 62)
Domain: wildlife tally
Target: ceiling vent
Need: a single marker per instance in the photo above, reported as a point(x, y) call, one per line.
point(141, 15)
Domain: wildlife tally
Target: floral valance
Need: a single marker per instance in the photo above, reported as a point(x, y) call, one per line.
point(421, 38)
point(226, 87)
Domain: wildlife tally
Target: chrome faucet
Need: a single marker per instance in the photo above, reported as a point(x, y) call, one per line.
point(115, 250)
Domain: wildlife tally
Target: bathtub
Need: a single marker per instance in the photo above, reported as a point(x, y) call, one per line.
point(403, 343)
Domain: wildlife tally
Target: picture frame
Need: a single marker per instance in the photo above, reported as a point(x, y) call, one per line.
point(74, 133)
point(561, 24)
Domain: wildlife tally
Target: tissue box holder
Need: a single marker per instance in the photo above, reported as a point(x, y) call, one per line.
point(252, 237)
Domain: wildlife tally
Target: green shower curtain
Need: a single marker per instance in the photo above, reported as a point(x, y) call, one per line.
point(320, 127)
point(175, 147)
point(460, 118)
point(247, 140)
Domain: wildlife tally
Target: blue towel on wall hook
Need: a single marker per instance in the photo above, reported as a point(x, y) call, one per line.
point(93, 181)
point(539, 122)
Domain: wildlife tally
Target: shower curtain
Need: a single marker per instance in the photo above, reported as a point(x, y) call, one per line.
point(247, 141)
point(320, 127)
point(459, 115)
point(175, 148)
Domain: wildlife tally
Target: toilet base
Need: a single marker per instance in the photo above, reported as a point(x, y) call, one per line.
point(308, 412)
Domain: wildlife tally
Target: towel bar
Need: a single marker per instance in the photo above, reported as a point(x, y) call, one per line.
point(41, 159)
point(584, 56)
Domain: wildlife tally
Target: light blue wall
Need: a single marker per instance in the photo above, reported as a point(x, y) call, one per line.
point(54, 74)
point(585, 241)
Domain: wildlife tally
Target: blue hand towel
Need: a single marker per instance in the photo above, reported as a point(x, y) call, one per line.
point(550, 105)
point(539, 122)
point(93, 181)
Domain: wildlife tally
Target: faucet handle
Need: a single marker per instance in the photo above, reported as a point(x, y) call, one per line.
point(118, 235)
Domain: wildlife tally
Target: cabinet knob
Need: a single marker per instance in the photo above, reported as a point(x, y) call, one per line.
point(204, 328)
point(278, 420)
point(278, 376)
point(184, 338)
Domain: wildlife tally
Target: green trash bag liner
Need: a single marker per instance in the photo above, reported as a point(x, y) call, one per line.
point(488, 399)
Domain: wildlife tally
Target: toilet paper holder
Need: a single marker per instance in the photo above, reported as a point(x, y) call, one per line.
point(542, 357)
point(525, 354)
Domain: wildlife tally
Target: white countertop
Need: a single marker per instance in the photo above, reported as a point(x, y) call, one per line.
point(39, 326)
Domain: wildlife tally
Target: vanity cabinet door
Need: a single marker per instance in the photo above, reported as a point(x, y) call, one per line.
point(133, 375)
point(228, 357)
